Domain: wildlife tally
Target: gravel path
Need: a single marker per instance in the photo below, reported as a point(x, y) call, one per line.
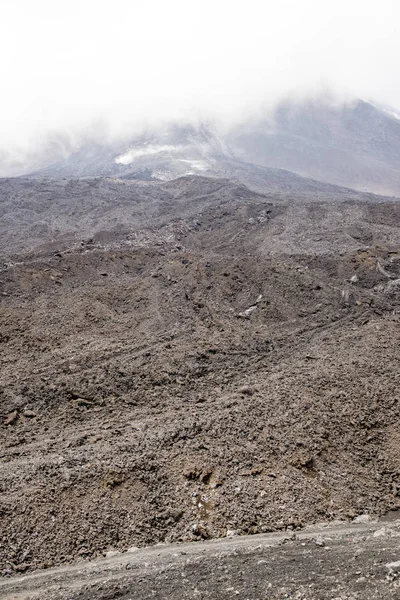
point(335, 562)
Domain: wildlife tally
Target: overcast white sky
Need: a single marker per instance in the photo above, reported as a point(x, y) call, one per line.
point(65, 64)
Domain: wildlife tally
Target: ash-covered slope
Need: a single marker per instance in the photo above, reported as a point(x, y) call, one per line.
point(55, 213)
point(355, 145)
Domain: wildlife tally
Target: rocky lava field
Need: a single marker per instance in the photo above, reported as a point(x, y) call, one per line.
point(219, 362)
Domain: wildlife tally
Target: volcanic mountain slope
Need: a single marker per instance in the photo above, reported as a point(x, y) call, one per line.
point(175, 151)
point(234, 367)
point(355, 145)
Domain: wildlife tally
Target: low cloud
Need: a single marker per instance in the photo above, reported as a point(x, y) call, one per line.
point(97, 70)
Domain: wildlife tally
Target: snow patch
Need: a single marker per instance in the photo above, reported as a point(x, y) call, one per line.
point(197, 165)
point(133, 153)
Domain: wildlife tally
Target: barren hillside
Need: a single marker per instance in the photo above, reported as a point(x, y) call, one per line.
point(224, 361)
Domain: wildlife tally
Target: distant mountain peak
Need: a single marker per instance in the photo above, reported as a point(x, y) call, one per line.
point(354, 144)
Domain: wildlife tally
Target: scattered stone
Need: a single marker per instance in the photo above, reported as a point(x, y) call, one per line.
point(246, 389)
point(81, 402)
point(382, 270)
point(11, 418)
point(361, 519)
point(111, 553)
point(380, 532)
point(22, 567)
point(231, 533)
point(345, 296)
point(394, 567)
point(29, 413)
point(246, 313)
point(199, 530)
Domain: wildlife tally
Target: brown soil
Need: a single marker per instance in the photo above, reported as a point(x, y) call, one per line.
point(142, 402)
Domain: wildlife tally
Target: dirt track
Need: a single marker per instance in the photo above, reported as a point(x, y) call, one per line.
point(236, 369)
point(342, 562)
